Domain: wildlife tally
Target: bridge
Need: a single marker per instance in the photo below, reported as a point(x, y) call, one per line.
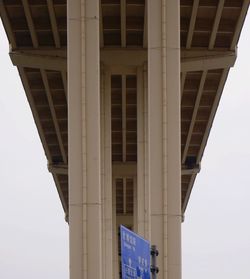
point(128, 52)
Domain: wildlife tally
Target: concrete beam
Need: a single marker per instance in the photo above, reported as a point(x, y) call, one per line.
point(40, 59)
point(58, 168)
point(206, 60)
point(191, 60)
point(119, 168)
point(187, 171)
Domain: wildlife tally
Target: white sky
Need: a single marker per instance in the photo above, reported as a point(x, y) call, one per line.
point(33, 233)
point(216, 231)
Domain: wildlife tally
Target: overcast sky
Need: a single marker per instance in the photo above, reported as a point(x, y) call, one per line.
point(216, 231)
point(33, 233)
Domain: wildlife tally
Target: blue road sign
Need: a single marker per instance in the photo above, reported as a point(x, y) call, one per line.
point(135, 255)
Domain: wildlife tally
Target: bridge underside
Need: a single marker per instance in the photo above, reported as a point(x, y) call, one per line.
point(37, 33)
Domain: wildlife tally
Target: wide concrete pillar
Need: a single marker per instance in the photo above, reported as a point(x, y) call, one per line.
point(85, 225)
point(164, 134)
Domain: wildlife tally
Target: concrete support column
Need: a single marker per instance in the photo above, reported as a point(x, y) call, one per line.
point(84, 140)
point(173, 138)
point(146, 170)
point(107, 177)
point(164, 134)
point(143, 199)
point(140, 196)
